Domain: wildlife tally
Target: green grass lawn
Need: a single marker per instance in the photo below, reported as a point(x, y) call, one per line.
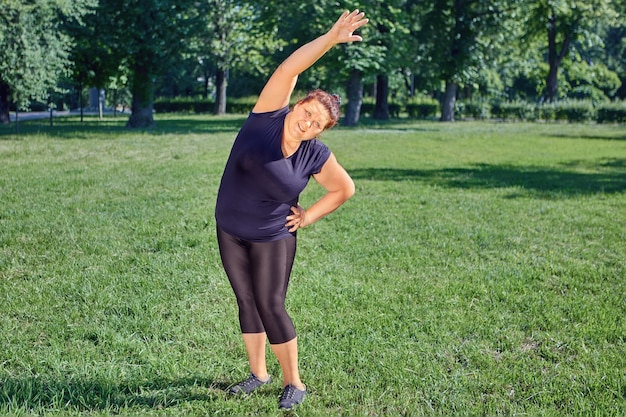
point(478, 270)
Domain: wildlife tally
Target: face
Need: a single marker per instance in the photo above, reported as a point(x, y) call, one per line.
point(307, 120)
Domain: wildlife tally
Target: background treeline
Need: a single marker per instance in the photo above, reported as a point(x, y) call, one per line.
point(563, 110)
point(513, 59)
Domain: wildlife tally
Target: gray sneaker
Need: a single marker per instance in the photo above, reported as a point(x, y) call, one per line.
point(249, 385)
point(291, 397)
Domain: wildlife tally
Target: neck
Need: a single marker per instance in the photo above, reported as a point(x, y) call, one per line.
point(289, 147)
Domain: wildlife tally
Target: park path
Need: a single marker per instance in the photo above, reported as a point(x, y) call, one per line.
point(31, 115)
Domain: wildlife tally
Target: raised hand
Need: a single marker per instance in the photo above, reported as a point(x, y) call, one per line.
point(343, 29)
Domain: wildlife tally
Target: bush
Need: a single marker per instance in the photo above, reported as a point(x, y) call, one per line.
point(182, 105)
point(575, 110)
point(368, 106)
point(588, 92)
point(514, 110)
point(614, 112)
point(475, 109)
point(241, 105)
point(202, 106)
point(422, 108)
point(566, 110)
point(546, 111)
point(394, 109)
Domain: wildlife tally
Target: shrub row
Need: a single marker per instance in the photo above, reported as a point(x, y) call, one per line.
point(368, 107)
point(190, 105)
point(567, 110)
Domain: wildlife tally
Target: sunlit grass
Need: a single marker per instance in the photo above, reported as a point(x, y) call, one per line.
point(479, 270)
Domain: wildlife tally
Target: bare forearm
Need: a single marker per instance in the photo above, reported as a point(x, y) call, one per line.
point(305, 56)
point(330, 202)
point(341, 32)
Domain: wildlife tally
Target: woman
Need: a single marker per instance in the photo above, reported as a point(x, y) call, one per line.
point(257, 211)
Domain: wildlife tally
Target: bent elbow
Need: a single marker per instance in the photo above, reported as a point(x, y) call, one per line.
point(349, 190)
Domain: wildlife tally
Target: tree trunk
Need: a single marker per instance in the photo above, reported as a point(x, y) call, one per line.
point(355, 98)
point(554, 59)
point(143, 100)
point(409, 83)
point(81, 102)
point(4, 104)
point(449, 100)
point(100, 103)
point(221, 82)
point(381, 110)
point(205, 84)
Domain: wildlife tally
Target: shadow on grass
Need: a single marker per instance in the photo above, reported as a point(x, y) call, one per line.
point(114, 127)
point(606, 176)
point(618, 137)
point(36, 394)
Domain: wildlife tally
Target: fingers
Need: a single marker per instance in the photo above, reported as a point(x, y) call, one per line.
point(296, 220)
point(356, 19)
point(351, 21)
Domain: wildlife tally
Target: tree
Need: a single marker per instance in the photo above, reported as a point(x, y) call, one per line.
point(149, 35)
point(454, 38)
point(94, 55)
point(611, 53)
point(564, 24)
point(34, 52)
point(616, 55)
point(356, 63)
point(343, 67)
point(390, 34)
point(232, 37)
point(4, 103)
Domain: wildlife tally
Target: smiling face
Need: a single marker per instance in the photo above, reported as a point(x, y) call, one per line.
point(307, 120)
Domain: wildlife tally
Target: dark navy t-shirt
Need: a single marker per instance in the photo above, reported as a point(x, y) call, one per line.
point(259, 184)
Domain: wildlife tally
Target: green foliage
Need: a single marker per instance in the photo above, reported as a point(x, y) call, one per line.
point(183, 105)
point(97, 60)
point(612, 112)
point(422, 108)
point(230, 38)
point(513, 110)
point(587, 92)
point(575, 110)
point(476, 109)
point(597, 75)
point(203, 106)
point(478, 270)
point(34, 52)
point(368, 105)
point(570, 24)
point(494, 50)
point(562, 110)
point(149, 36)
point(546, 111)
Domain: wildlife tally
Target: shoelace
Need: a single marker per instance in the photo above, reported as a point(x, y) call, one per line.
point(251, 381)
point(288, 393)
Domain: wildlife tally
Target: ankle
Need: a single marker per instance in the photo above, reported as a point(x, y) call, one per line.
point(298, 385)
point(261, 376)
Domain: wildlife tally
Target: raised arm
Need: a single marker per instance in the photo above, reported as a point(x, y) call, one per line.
point(277, 91)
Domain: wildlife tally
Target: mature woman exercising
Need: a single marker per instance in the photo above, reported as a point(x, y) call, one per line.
point(257, 210)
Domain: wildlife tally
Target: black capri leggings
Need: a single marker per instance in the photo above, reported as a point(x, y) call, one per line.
point(259, 274)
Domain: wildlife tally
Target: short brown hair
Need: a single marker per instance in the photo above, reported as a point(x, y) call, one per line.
point(329, 101)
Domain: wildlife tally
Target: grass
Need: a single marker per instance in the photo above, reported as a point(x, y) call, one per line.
point(479, 270)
